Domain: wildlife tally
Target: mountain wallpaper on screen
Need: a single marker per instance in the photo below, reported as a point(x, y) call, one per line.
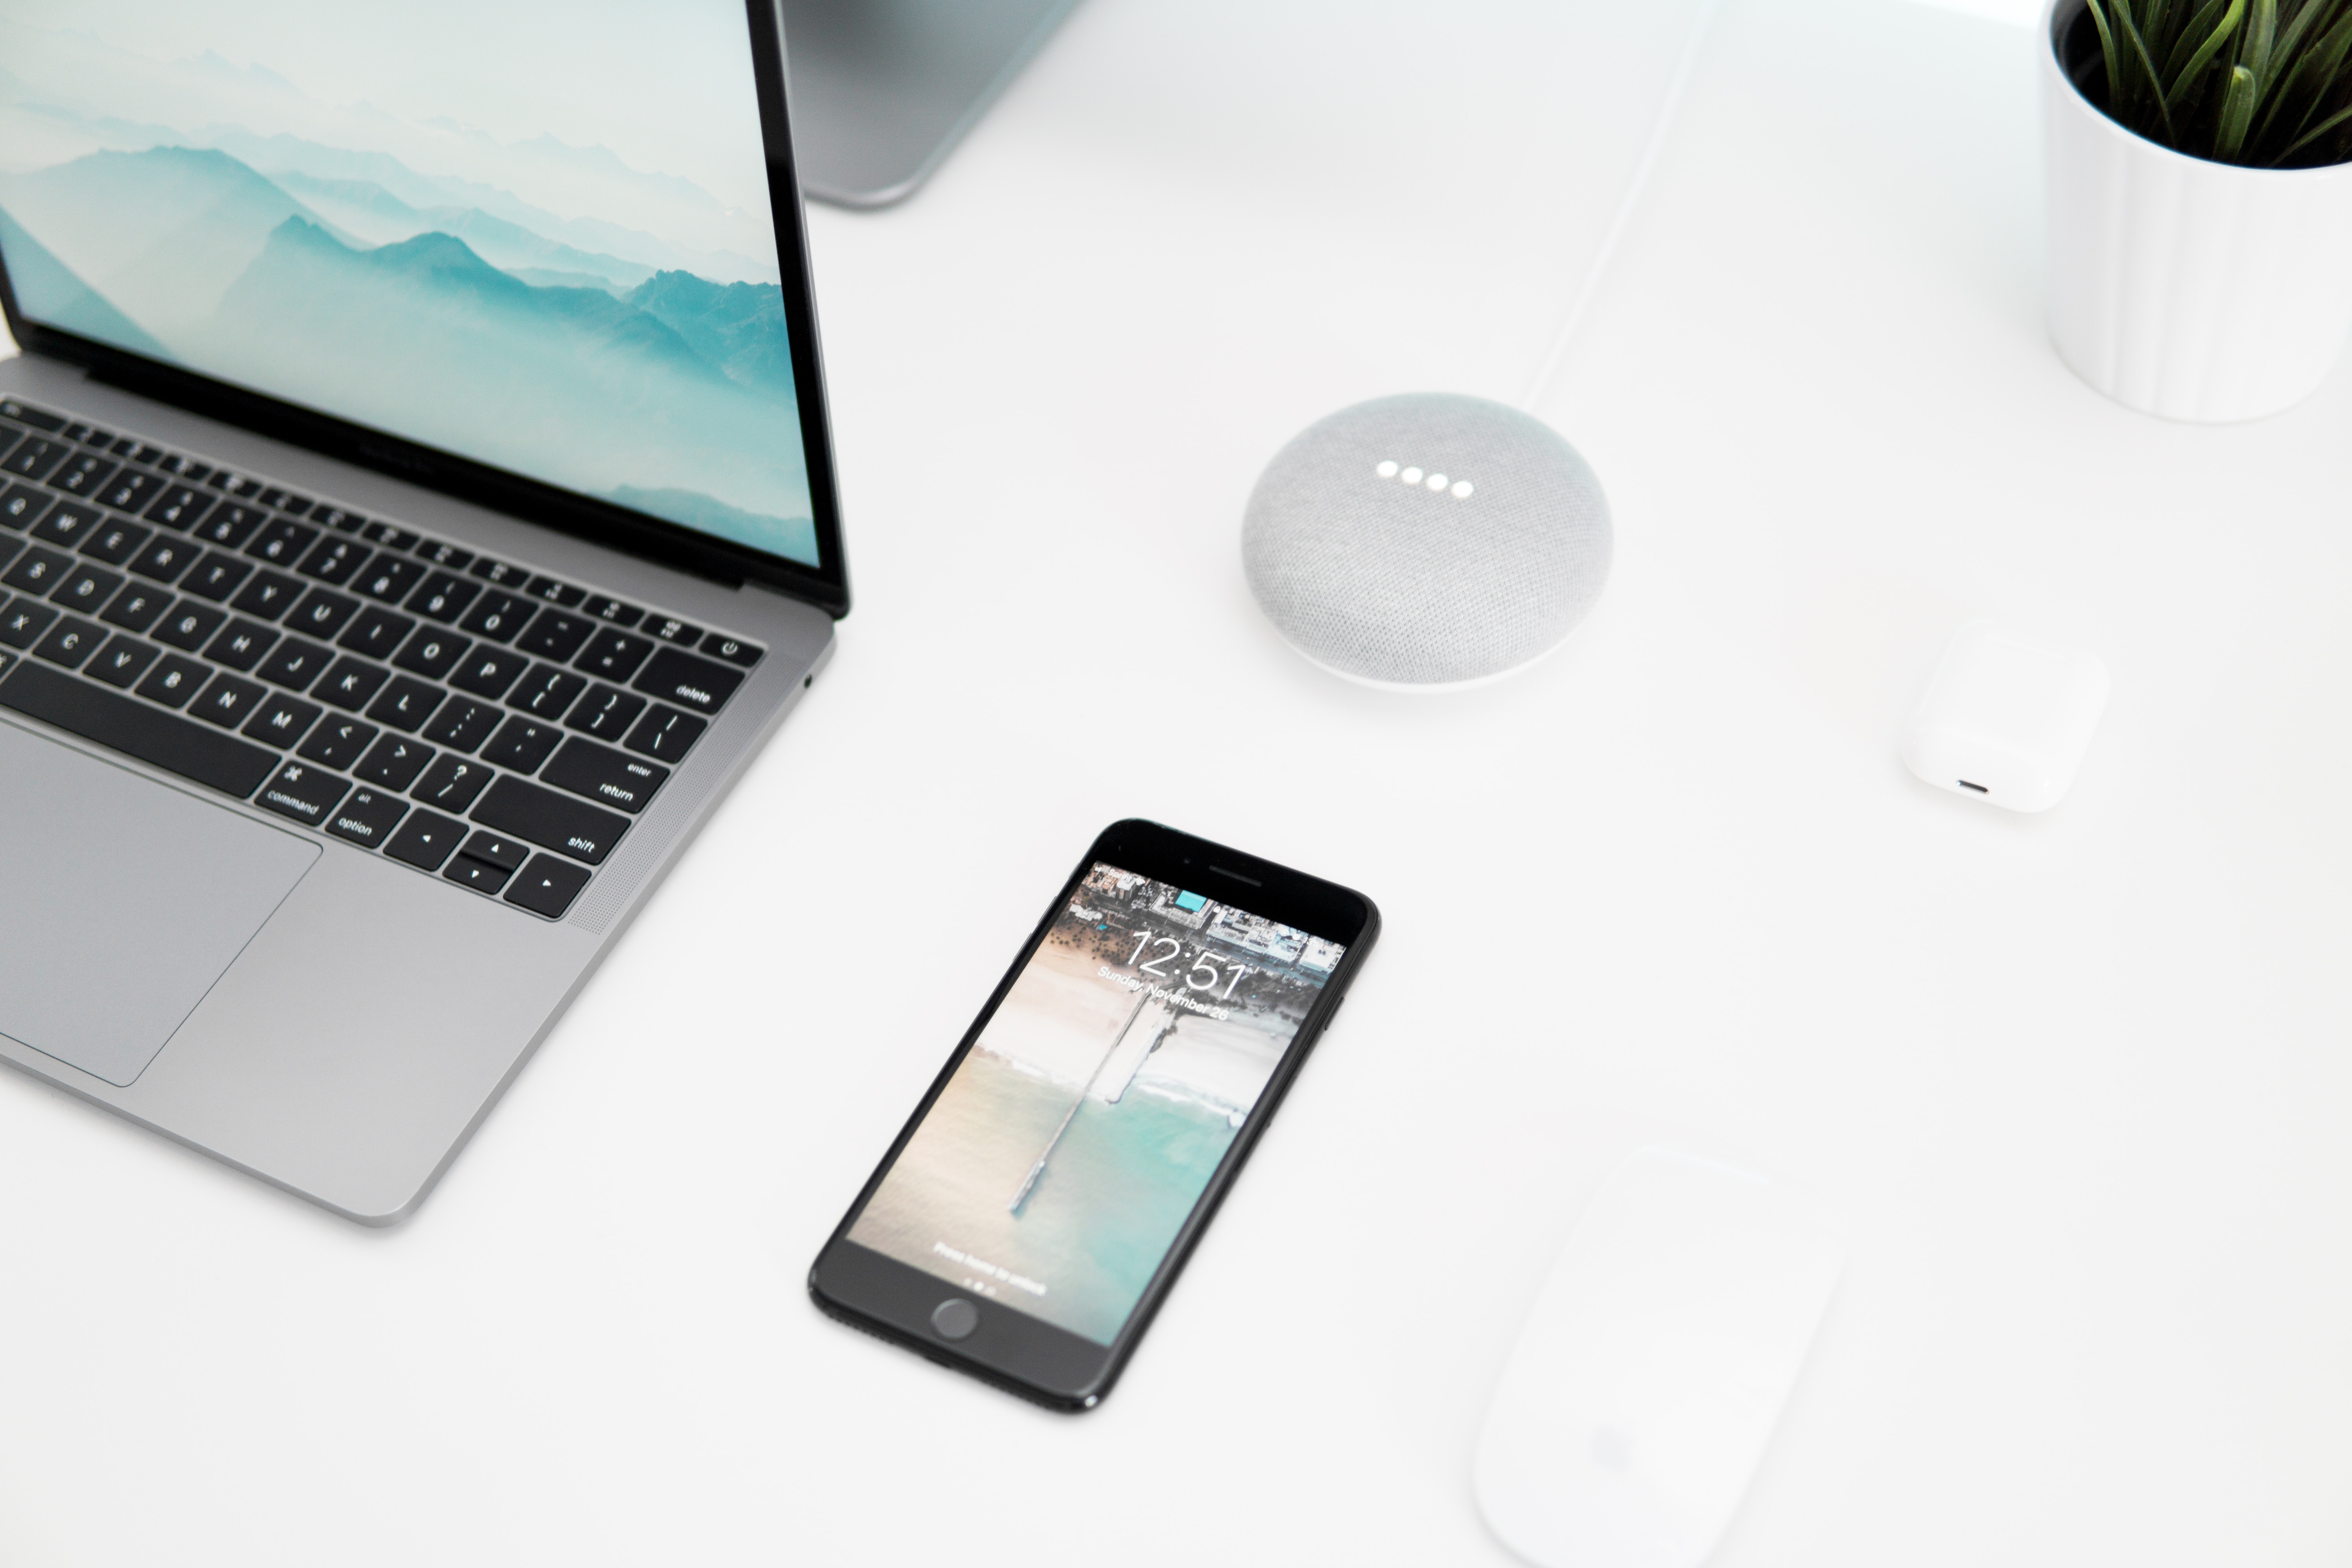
point(577, 349)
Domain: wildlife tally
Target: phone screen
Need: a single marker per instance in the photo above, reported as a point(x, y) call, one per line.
point(1062, 1158)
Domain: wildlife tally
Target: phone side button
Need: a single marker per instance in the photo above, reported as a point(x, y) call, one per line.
point(955, 1318)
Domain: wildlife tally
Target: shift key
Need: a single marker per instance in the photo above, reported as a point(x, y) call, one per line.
point(560, 822)
point(602, 773)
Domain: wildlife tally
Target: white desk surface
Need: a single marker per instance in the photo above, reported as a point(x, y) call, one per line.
point(2080, 1080)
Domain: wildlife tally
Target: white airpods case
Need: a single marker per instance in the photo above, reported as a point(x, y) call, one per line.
point(2006, 717)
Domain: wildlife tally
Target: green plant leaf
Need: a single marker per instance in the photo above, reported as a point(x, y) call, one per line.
point(2237, 113)
point(2316, 131)
point(2187, 75)
point(2295, 69)
point(2139, 53)
point(2183, 40)
point(2325, 66)
point(2254, 51)
point(2107, 49)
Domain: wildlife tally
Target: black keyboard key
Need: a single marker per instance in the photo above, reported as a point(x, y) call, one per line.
point(405, 704)
point(181, 508)
point(498, 573)
point(122, 660)
point(522, 744)
point(116, 542)
point(295, 664)
point(554, 593)
point(68, 525)
point(21, 506)
point(689, 681)
point(306, 793)
point(666, 734)
point(24, 621)
point(321, 613)
point(136, 607)
point(38, 418)
point(37, 570)
point(83, 474)
point(368, 816)
point(132, 491)
point(338, 742)
point(734, 650)
point(613, 613)
point(230, 524)
point(615, 655)
point(447, 555)
point(351, 683)
point(162, 739)
point(452, 783)
point(426, 840)
point(603, 774)
point(34, 458)
point(378, 632)
point(555, 635)
point(497, 615)
point(388, 578)
point(229, 700)
point(546, 692)
point(281, 721)
point(240, 645)
point(335, 560)
point(8, 439)
point(432, 651)
point(664, 629)
point(495, 850)
point(549, 819)
point(281, 543)
point(9, 550)
point(174, 681)
point(463, 723)
point(190, 625)
point(488, 671)
point(70, 642)
point(269, 596)
point(391, 536)
point(547, 886)
point(164, 560)
point(216, 576)
point(339, 519)
point(86, 589)
point(444, 597)
point(395, 762)
point(605, 713)
point(479, 874)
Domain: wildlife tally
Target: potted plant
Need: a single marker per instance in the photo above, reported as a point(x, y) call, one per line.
point(2200, 191)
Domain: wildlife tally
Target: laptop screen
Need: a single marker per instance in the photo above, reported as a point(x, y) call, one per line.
point(532, 235)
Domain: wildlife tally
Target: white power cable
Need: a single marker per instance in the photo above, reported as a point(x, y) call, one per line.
point(1685, 68)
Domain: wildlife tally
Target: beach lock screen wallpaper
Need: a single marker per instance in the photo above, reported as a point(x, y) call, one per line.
point(538, 236)
point(1057, 1165)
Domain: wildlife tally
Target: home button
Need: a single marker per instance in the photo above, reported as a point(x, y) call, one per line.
point(955, 1318)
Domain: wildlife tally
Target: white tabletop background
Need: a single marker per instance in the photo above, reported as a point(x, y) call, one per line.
point(2079, 1081)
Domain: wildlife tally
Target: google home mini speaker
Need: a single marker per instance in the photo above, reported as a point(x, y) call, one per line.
point(2006, 717)
point(1426, 542)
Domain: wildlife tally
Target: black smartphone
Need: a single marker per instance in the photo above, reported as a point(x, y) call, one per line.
point(1039, 1205)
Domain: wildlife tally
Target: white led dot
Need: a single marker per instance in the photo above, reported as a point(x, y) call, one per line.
point(1386, 470)
point(1410, 475)
point(1462, 489)
point(1437, 481)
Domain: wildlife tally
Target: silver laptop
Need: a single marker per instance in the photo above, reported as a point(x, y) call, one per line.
point(415, 509)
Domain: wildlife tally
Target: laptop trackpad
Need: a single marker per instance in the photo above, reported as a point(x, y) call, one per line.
point(121, 901)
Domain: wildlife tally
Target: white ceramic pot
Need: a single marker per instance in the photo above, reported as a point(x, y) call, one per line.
point(2193, 289)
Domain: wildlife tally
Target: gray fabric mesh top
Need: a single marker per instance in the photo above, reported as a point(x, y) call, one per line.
point(1392, 581)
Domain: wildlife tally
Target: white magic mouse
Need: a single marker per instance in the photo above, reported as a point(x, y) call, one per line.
point(1645, 1386)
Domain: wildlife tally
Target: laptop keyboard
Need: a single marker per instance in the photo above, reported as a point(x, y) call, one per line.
point(474, 719)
